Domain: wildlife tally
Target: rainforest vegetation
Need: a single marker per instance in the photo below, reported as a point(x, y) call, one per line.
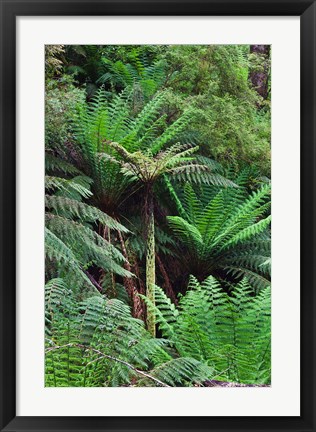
point(157, 215)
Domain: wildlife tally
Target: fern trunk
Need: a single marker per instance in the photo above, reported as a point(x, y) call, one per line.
point(129, 285)
point(150, 264)
point(168, 287)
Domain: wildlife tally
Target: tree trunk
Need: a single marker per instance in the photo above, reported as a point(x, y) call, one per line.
point(150, 264)
point(129, 284)
point(168, 287)
point(136, 270)
point(259, 77)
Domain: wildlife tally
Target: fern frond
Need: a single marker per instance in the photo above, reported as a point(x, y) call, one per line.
point(171, 132)
point(85, 213)
point(56, 250)
point(199, 174)
point(164, 310)
point(56, 292)
point(182, 372)
point(87, 244)
point(72, 188)
point(249, 232)
point(57, 165)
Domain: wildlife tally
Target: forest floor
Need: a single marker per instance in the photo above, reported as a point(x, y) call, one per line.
point(215, 383)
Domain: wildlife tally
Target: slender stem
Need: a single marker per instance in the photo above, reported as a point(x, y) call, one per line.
point(93, 281)
point(150, 264)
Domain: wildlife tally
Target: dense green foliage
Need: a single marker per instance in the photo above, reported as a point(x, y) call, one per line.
point(157, 234)
point(210, 336)
point(223, 234)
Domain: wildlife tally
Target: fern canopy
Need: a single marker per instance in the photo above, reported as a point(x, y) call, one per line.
point(72, 244)
point(225, 233)
point(104, 129)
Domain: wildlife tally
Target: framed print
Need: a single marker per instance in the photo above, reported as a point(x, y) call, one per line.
point(157, 179)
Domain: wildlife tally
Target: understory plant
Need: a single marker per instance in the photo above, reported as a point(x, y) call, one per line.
point(96, 341)
point(230, 333)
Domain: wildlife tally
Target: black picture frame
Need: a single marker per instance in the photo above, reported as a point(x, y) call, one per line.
point(9, 11)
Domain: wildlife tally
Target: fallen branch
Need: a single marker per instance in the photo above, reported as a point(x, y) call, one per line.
point(216, 383)
point(109, 357)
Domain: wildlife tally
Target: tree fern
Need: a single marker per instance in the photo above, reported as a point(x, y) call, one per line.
point(123, 152)
point(72, 242)
point(228, 235)
point(102, 122)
